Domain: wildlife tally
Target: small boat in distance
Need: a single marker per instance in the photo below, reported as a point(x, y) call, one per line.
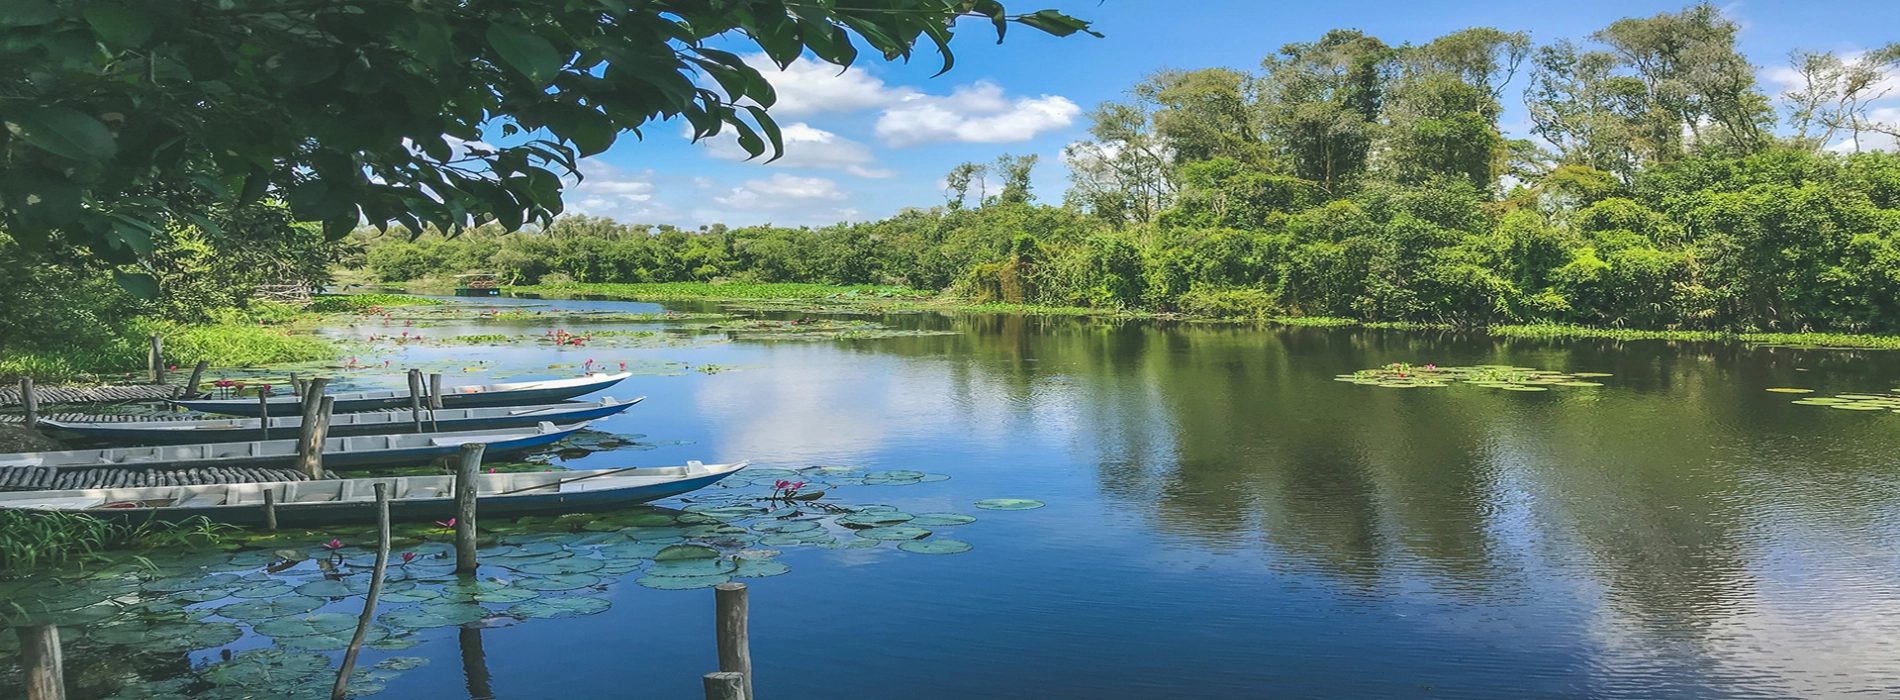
point(416, 498)
point(471, 396)
point(339, 453)
point(477, 284)
point(165, 431)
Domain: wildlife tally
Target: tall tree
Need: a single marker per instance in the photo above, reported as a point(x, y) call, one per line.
point(1590, 115)
point(1322, 102)
point(1126, 173)
point(1836, 94)
point(1696, 81)
point(1204, 114)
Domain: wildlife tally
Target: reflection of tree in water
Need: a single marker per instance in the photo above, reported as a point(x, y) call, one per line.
point(474, 663)
point(1224, 434)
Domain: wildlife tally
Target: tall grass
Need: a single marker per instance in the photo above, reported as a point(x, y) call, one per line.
point(331, 303)
point(32, 539)
point(237, 341)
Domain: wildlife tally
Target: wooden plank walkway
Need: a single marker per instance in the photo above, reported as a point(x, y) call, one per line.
point(53, 395)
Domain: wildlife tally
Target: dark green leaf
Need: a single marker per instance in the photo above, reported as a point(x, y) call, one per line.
point(1057, 23)
point(527, 52)
point(27, 13)
point(65, 132)
point(141, 285)
point(119, 26)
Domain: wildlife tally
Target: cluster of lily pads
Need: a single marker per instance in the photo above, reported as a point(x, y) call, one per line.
point(303, 591)
point(1506, 377)
point(1846, 402)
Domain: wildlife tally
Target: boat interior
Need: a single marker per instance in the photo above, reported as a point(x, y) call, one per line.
point(289, 493)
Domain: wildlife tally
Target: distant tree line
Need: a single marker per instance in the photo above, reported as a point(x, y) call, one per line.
point(1349, 177)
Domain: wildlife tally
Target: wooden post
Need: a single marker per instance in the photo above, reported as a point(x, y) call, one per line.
point(415, 398)
point(375, 592)
point(31, 400)
point(157, 360)
point(296, 386)
point(324, 410)
point(308, 463)
point(435, 400)
point(191, 385)
point(735, 650)
point(39, 654)
point(270, 508)
point(263, 413)
point(725, 685)
point(467, 472)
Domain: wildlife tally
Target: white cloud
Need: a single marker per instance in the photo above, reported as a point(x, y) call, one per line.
point(810, 87)
point(624, 196)
point(781, 192)
point(808, 147)
point(978, 113)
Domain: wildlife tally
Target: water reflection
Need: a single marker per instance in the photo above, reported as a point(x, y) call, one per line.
point(474, 663)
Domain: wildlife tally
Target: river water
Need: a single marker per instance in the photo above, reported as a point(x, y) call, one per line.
point(1225, 520)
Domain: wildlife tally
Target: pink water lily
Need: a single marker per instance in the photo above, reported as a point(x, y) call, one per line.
point(450, 523)
point(333, 545)
point(406, 556)
point(781, 484)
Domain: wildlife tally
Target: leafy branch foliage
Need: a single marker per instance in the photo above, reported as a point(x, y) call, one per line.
point(125, 118)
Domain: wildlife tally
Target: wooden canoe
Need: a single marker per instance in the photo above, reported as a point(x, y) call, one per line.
point(165, 431)
point(414, 498)
point(472, 396)
point(339, 453)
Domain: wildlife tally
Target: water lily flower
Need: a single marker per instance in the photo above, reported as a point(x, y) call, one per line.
point(406, 556)
point(781, 484)
point(450, 523)
point(799, 485)
point(333, 545)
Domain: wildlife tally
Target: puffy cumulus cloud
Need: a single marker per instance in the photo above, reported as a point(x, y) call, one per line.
point(808, 147)
point(809, 87)
point(978, 113)
point(975, 113)
point(623, 195)
point(781, 192)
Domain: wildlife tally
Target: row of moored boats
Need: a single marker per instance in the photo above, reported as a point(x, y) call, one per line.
point(212, 464)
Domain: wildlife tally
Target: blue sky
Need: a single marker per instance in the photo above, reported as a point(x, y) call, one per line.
point(879, 137)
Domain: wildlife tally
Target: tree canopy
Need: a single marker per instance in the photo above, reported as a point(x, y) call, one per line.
point(125, 117)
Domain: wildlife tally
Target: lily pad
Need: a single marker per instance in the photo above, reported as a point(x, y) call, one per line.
point(1790, 390)
point(266, 668)
point(1009, 504)
point(305, 625)
point(684, 552)
point(334, 588)
point(771, 526)
point(868, 519)
point(759, 568)
point(434, 615)
point(935, 546)
point(270, 589)
point(692, 567)
point(572, 565)
point(565, 606)
point(281, 606)
point(333, 641)
point(681, 583)
point(941, 519)
point(185, 583)
point(895, 532)
point(486, 592)
point(558, 582)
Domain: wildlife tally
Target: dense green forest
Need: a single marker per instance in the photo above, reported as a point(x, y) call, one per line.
point(1348, 177)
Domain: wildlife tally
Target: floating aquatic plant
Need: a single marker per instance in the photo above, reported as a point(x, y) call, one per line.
point(1505, 377)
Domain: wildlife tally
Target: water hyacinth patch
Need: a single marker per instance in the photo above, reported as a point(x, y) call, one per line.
point(1400, 375)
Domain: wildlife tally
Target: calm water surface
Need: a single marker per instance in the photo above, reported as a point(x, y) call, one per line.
point(1226, 521)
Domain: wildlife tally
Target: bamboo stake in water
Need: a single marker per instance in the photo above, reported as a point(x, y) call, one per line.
point(156, 358)
point(435, 400)
point(30, 399)
point(735, 650)
point(415, 398)
point(375, 592)
point(467, 471)
point(190, 388)
point(724, 685)
point(39, 654)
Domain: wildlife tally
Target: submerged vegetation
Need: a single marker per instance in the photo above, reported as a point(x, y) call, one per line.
point(31, 540)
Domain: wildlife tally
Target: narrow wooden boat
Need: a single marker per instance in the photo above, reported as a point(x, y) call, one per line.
point(163, 431)
point(335, 501)
point(472, 396)
point(339, 453)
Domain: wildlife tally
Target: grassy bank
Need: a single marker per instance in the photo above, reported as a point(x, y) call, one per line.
point(1819, 340)
point(334, 303)
point(265, 335)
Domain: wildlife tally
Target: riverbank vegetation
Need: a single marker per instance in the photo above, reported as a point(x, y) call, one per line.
point(30, 539)
point(1351, 178)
